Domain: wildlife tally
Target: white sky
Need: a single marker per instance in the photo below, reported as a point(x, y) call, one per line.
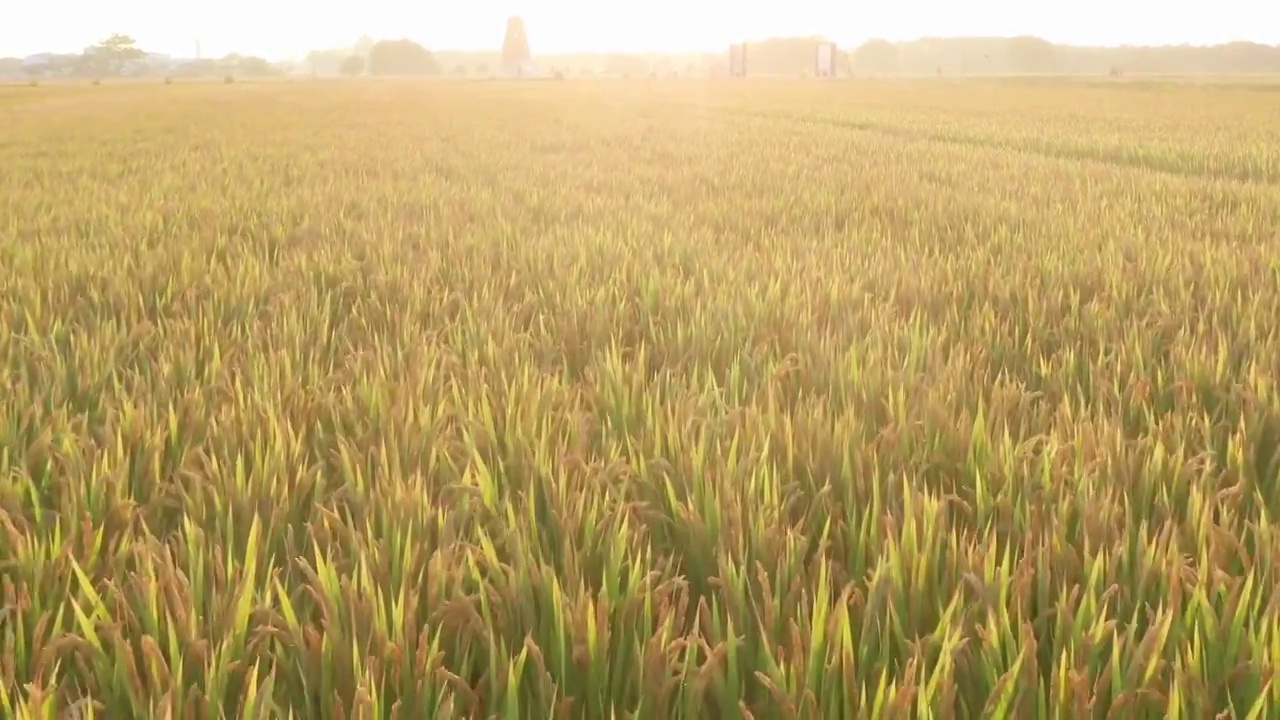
point(281, 28)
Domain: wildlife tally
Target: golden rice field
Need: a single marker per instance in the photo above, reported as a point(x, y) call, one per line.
point(652, 400)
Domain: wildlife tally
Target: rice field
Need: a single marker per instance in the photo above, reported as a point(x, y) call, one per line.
point(652, 399)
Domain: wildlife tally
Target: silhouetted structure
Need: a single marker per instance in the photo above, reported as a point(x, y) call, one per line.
point(738, 60)
point(824, 60)
point(516, 58)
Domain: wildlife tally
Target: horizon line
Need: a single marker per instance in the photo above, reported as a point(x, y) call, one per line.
point(286, 57)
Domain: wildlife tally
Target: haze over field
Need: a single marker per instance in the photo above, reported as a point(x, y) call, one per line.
point(289, 28)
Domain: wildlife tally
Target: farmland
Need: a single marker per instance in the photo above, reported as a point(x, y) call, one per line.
point(664, 399)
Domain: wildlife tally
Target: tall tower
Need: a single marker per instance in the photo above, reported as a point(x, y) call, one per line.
point(515, 48)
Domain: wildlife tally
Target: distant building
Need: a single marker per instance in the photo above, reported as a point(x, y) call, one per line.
point(517, 61)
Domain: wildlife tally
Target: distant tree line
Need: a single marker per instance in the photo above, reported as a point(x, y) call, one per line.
point(120, 56)
point(384, 57)
point(1017, 55)
point(926, 56)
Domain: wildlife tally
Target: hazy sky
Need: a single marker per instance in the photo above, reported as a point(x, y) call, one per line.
point(283, 28)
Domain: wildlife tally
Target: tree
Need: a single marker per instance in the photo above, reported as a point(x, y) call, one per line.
point(246, 65)
point(112, 55)
point(1032, 55)
point(352, 66)
point(401, 57)
point(363, 46)
point(877, 56)
point(844, 63)
point(253, 66)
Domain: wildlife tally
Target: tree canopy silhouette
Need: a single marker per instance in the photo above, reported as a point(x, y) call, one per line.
point(1032, 55)
point(401, 57)
point(877, 56)
point(353, 65)
point(111, 56)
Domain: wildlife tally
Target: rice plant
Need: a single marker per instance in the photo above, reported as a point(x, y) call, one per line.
point(639, 400)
